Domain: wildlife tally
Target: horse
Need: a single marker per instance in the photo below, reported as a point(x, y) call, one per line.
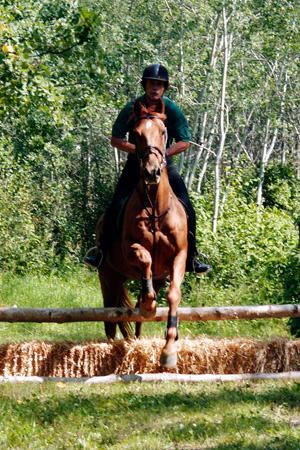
point(152, 243)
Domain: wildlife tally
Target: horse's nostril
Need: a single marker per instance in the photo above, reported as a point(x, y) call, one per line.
point(148, 173)
point(152, 174)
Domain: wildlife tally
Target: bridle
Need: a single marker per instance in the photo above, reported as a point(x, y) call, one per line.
point(152, 149)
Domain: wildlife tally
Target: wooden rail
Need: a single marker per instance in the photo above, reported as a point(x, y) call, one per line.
point(63, 315)
point(155, 377)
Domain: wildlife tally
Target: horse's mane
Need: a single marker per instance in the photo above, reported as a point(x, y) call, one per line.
point(157, 110)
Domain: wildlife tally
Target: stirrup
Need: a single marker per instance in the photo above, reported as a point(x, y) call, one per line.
point(94, 258)
point(200, 268)
point(193, 265)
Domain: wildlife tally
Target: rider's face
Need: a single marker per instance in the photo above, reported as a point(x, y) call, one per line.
point(154, 89)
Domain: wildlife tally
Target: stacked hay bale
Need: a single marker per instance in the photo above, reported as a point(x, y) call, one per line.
point(197, 356)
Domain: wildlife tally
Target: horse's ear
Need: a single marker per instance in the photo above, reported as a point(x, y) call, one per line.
point(139, 109)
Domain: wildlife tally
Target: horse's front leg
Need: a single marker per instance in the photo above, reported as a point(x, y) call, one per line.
point(157, 284)
point(141, 258)
point(168, 358)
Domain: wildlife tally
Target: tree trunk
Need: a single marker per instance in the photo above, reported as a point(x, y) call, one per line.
point(208, 153)
point(212, 63)
point(264, 161)
point(223, 129)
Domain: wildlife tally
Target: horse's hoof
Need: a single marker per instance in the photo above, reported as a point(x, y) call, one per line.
point(147, 312)
point(168, 361)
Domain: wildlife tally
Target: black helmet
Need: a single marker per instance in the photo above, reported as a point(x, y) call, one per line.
point(156, 72)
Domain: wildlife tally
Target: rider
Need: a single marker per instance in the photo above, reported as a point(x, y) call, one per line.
point(155, 82)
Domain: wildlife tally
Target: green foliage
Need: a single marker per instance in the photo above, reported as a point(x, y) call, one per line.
point(292, 289)
point(281, 188)
point(66, 68)
point(53, 110)
point(250, 248)
point(34, 231)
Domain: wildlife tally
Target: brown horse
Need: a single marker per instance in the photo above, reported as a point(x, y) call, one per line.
point(153, 242)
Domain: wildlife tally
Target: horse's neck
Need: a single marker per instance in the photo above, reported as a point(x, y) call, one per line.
point(159, 194)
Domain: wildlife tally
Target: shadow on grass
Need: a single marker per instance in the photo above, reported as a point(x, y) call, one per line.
point(285, 395)
point(156, 403)
point(291, 443)
point(169, 415)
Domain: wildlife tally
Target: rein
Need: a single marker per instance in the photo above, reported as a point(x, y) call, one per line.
point(153, 219)
point(152, 214)
point(142, 154)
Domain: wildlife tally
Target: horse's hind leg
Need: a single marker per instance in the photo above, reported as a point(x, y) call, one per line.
point(110, 330)
point(114, 295)
point(125, 329)
point(108, 301)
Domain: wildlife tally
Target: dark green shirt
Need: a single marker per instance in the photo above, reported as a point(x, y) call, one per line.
point(176, 122)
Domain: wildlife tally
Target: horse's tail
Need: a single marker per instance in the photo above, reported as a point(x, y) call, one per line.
point(115, 295)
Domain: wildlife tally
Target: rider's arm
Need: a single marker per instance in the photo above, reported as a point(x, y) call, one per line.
point(178, 147)
point(122, 144)
point(178, 128)
point(120, 129)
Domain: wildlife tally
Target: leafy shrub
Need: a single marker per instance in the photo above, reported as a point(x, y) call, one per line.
point(281, 188)
point(30, 218)
point(292, 289)
point(248, 248)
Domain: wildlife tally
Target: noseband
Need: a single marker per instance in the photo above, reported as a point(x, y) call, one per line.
point(151, 150)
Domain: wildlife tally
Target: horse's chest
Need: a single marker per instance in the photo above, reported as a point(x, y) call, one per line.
point(148, 232)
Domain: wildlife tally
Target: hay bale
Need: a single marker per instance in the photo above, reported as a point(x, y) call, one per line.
point(197, 356)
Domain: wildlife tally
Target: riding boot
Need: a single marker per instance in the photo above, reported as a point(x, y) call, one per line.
point(192, 263)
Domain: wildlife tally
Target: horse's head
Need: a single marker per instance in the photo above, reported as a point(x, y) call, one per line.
point(151, 139)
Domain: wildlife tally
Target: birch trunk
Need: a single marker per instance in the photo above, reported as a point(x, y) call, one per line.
point(212, 64)
point(182, 87)
point(264, 161)
point(208, 153)
point(223, 129)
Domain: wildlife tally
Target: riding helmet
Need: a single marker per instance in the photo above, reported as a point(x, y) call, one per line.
point(156, 72)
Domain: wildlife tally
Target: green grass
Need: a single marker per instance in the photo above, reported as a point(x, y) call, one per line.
point(66, 291)
point(247, 416)
point(81, 288)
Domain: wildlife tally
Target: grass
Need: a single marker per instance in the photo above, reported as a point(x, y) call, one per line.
point(248, 416)
point(81, 288)
point(38, 291)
